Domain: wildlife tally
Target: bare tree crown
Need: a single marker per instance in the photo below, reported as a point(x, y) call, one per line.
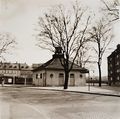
point(65, 28)
point(7, 41)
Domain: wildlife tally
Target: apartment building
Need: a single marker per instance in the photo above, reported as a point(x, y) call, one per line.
point(114, 67)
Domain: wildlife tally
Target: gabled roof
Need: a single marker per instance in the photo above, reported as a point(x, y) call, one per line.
point(14, 66)
point(55, 64)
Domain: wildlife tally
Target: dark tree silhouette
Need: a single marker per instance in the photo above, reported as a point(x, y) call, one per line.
point(101, 36)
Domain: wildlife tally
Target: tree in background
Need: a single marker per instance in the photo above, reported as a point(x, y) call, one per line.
point(65, 28)
point(7, 41)
point(101, 36)
point(84, 56)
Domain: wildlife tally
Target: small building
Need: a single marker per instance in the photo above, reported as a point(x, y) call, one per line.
point(114, 67)
point(51, 73)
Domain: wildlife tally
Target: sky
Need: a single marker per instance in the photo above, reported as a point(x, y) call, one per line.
point(20, 17)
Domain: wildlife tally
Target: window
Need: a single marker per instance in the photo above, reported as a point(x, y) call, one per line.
point(10, 71)
point(117, 63)
point(22, 66)
point(110, 59)
point(41, 75)
point(51, 75)
point(81, 75)
point(10, 66)
point(110, 65)
point(118, 77)
point(72, 76)
point(15, 72)
point(118, 70)
point(61, 75)
point(111, 78)
point(26, 67)
point(36, 76)
point(7, 71)
point(4, 66)
point(15, 66)
point(3, 71)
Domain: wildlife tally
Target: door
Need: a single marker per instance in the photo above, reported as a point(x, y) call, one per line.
point(61, 79)
point(72, 80)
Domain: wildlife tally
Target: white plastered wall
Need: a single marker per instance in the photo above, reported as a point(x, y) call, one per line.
point(54, 81)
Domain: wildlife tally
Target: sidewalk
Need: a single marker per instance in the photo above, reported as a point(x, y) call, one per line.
point(104, 90)
point(95, 90)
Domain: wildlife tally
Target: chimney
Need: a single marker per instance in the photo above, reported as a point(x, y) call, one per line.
point(58, 53)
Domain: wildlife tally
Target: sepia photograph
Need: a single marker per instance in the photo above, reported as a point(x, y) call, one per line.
point(59, 59)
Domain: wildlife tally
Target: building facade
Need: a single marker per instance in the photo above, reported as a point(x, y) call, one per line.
point(114, 67)
point(15, 73)
point(51, 73)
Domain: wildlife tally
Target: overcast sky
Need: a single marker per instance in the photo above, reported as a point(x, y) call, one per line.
point(20, 17)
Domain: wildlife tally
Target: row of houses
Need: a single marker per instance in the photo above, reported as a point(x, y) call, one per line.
point(15, 73)
point(50, 73)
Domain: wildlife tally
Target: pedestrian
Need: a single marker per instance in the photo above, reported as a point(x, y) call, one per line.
point(3, 81)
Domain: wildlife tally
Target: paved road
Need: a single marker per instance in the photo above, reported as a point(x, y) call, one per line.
point(24, 103)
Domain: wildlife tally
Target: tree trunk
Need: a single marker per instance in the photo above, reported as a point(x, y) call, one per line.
point(66, 69)
point(66, 79)
point(99, 68)
point(109, 83)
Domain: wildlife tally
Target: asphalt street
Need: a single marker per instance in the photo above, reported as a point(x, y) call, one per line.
point(25, 103)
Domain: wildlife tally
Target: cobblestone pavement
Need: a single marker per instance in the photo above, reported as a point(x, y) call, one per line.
point(25, 103)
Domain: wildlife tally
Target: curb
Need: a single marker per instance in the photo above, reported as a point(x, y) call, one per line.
point(103, 94)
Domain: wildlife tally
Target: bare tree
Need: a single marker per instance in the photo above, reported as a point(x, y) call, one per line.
point(101, 36)
point(84, 56)
point(7, 41)
point(65, 28)
point(111, 9)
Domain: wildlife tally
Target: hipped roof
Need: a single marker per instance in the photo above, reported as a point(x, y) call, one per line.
point(55, 64)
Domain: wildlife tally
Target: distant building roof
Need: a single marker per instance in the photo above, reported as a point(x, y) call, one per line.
point(14, 66)
point(34, 66)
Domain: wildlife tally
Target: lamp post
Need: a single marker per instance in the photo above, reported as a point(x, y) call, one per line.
point(3, 80)
point(25, 77)
point(89, 81)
